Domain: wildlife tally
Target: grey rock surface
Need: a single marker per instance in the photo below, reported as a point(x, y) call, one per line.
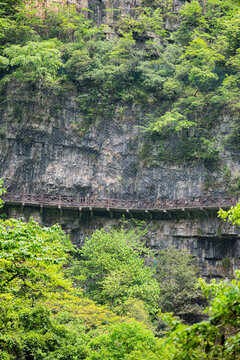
point(43, 150)
point(215, 243)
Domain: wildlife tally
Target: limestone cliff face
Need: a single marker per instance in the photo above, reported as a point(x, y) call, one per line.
point(215, 244)
point(106, 11)
point(43, 149)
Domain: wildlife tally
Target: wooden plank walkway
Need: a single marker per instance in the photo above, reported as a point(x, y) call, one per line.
point(43, 200)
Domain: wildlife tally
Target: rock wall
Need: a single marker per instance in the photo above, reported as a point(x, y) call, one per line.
point(216, 244)
point(44, 150)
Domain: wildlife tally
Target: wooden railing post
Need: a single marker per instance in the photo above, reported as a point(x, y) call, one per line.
point(23, 198)
point(127, 206)
point(146, 206)
point(60, 202)
point(41, 203)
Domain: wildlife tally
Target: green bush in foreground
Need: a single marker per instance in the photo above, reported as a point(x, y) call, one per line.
point(44, 316)
point(218, 337)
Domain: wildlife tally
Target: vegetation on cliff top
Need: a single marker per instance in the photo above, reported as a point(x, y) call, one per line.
point(188, 61)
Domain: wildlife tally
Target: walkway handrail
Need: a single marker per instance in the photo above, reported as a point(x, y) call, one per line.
point(107, 203)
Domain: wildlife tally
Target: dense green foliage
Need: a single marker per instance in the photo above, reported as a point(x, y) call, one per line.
point(114, 272)
point(188, 61)
point(218, 337)
point(177, 274)
point(232, 215)
point(56, 322)
point(45, 315)
point(31, 258)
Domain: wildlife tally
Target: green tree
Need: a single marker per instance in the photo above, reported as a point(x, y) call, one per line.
point(114, 269)
point(218, 337)
point(178, 275)
point(9, 7)
point(200, 65)
point(36, 333)
point(124, 341)
point(43, 316)
point(171, 121)
point(34, 61)
point(31, 258)
point(232, 215)
point(192, 19)
point(2, 191)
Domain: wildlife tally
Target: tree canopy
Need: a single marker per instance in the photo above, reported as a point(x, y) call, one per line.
point(113, 269)
point(46, 315)
point(187, 60)
point(178, 274)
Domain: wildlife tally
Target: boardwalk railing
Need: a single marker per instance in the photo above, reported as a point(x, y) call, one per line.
point(91, 203)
